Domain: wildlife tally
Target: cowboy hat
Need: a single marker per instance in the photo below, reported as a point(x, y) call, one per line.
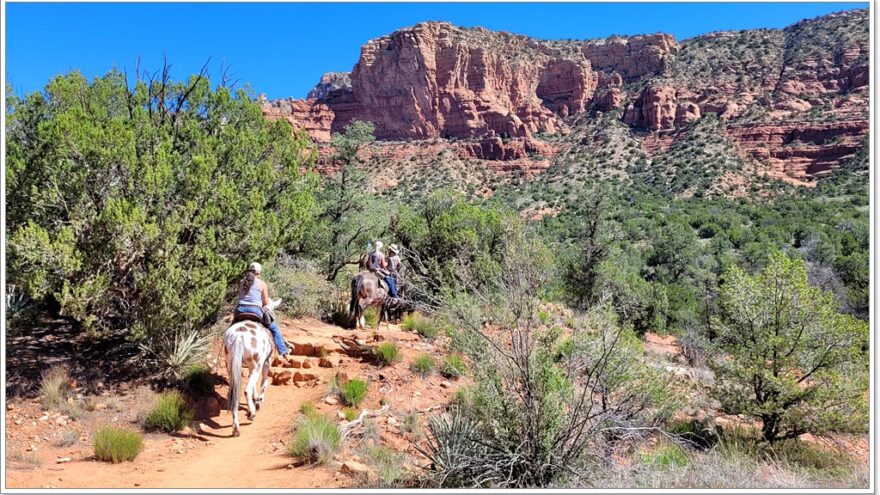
point(393, 248)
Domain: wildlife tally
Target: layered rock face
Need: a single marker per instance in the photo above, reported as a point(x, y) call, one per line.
point(311, 114)
point(436, 80)
point(631, 57)
point(497, 91)
point(801, 151)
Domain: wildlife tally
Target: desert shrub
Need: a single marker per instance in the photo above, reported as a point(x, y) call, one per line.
point(458, 243)
point(73, 409)
point(410, 423)
point(696, 433)
point(351, 413)
point(199, 379)
point(814, 459)
point(665, 456)
point(530, 416)
point(422, 325)
point(53, 385)
point(315, 440)
point(353, 392)
point(308, 409)
point(694, 345)
point(305, 291)
point(427, 328)
point(117, 445)
point(789, 358)
point(174, 184)
point(408, 322)
point(453, 365)
point(422, 365)
point(387, 463)
point(708, 231)
point(371, 317)
point(169, 413)
point(68, 437)
point(792, 454)
point(22, 459)
point(387, 353)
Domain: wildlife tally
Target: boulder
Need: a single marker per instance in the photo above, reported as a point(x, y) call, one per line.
point(357, 469)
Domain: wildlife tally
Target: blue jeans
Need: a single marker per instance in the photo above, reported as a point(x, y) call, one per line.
point(276, 332)
point(392, 288)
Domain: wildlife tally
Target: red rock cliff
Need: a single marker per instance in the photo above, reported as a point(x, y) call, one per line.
point(493, 91)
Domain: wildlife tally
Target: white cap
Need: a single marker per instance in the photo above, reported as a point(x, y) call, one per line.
point(379, 245)
point(255, 267)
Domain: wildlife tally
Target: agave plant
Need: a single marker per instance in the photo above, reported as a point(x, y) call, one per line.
point(16, 300)
point(176, 351)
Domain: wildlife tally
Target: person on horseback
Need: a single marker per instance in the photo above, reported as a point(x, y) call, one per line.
point(377, 264)
point(253, 295)
point(394, 264)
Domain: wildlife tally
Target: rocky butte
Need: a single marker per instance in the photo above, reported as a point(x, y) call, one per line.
point(794, 101)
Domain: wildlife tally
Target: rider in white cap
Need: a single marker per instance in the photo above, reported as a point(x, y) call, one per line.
point(253, 294)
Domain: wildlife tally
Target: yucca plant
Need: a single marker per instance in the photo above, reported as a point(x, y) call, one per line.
point(452, 448)
point(175, 353)
point(16, 300)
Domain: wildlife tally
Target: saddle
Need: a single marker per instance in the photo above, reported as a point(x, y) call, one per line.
point(247, 317)
point(266, 320)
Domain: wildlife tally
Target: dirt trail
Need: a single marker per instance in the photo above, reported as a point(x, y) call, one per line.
point(209, 457)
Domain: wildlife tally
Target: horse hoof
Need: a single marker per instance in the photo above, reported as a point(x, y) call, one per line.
point(235, 433)
point(257, 405)
point(252, 416)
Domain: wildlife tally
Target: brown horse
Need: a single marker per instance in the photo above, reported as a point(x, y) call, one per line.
point(375, 294)
point(365, 292)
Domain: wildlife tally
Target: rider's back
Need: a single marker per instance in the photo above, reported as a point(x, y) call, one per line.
point(375, 261)
point(254, 296)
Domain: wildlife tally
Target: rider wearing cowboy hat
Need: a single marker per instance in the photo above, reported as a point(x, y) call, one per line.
point(377, 265)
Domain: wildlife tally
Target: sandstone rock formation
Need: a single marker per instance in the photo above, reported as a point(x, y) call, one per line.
point(330, 81)
point(496, 93)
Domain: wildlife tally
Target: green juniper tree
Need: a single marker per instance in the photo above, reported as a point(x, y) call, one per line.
point(136, 207)
point(787, 356)
point(350, 214)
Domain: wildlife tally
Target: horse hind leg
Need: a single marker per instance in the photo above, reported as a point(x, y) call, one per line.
point(251, 391)
point(264, 383)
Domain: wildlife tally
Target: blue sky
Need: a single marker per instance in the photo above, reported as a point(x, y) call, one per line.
point(282, 49)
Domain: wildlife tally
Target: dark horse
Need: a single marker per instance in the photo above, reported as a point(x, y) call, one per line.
point(365, 292)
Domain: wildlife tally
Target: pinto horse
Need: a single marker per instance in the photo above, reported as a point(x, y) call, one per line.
point(250, 344)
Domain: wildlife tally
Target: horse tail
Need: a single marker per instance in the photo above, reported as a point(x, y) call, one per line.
point(235, 374)
point(353, 307)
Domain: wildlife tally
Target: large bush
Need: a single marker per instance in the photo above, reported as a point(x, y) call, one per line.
point(301, 285)
point(788, 357)
point(134, 206)
point(543, 400)
point(452, 244)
